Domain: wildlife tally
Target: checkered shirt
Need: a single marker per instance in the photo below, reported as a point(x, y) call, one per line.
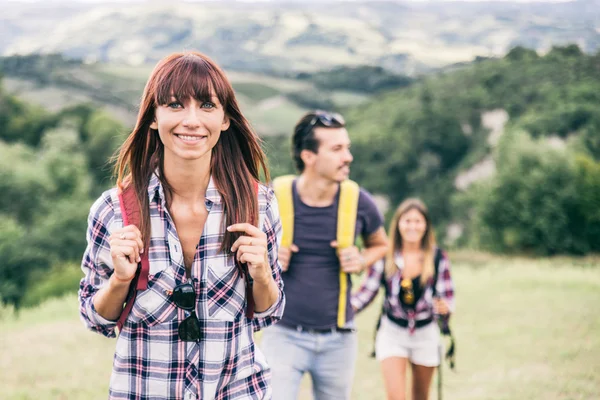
point(150, 361)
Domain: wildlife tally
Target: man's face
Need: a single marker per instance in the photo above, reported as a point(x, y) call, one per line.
point(332, 159)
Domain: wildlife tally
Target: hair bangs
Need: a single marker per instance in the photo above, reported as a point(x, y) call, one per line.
point(190, 76)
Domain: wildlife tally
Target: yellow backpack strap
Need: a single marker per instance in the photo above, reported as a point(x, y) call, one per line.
point(283, 191)
point(346, 225)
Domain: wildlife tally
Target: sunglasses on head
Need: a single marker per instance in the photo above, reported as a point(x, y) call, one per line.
point(184, 297)
point(325, 118)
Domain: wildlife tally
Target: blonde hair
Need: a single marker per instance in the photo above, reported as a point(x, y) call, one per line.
point(428, 243)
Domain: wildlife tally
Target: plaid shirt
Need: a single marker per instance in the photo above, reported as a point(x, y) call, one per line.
point(150, 361)
point(392, 306)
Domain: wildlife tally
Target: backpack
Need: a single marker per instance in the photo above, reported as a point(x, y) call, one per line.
point(131, 215)
point(443, 322)
point(346, 225)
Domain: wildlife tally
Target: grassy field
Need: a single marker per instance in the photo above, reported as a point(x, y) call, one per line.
point(525, 329)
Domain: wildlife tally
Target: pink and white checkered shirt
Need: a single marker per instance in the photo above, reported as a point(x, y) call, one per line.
point(391, 304)
point(150, 361)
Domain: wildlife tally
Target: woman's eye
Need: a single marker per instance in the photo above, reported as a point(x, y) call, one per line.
point(208, 104)
point(175, 104)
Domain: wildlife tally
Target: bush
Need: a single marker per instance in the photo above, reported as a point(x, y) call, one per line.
point(56, 282)
point(532, 205)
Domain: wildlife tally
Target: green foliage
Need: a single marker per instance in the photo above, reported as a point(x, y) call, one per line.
point(366, 79)
point(313, 99)
point(21, 122)
point(54, 282)
point(47, 182)
point(527, 207)
point(414, 141)
point(255, 91)
point(520, 53)
point(35, 66)
point(543, 200)
point(587, 216)
point(19, 258)
point(22, 183)
point(103, 136)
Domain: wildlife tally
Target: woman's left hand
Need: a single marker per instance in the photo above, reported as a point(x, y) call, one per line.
point(440, 306)
point(251, 248)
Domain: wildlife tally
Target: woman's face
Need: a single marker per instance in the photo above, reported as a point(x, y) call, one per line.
point(412, 227)
point(189, 130)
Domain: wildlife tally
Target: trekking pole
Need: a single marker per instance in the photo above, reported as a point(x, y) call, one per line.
point(439, 386)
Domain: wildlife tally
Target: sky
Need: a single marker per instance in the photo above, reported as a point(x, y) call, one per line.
point(263, 1)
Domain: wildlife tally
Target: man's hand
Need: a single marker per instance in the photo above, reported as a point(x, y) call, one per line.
point(351, 261)
point(285, 255)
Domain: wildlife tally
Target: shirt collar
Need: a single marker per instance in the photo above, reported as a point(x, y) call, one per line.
point(212, 194)
point(399, 260)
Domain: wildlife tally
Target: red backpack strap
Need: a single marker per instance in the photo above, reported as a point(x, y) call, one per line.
point(132, 215)
point(243, 268)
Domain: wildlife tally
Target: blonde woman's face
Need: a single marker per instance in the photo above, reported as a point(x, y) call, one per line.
point(412, 227)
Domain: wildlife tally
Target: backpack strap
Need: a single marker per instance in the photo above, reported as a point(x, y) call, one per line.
point(346, 226)
point(285, 200)
point(243, 269)
point(436, 268)
point(130, 211)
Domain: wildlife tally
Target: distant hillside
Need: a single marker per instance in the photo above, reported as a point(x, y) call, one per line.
point(273, 104)
point(504, 148)
point(297, 36)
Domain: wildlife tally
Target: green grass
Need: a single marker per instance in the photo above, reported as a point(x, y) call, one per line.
point(525, 329)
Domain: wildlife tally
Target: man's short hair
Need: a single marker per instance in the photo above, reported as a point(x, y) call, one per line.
point(304, 132)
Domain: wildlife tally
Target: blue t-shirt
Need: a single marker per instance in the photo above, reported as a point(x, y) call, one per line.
point(312, 280)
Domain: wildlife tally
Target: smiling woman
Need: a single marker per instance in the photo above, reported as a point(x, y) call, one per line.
point(418, 291)
point(192, 167)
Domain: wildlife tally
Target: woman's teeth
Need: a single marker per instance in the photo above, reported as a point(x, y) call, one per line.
point(190, 138)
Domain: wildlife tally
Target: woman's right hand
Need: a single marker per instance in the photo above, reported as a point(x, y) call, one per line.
point(440, 306)
point(125, 248)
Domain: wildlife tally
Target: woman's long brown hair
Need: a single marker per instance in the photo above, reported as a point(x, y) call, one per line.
point(428, 243)
point(236, 159)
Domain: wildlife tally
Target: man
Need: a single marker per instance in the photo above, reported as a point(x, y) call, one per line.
point(316, 334)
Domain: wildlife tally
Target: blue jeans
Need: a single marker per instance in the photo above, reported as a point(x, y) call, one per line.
point(329, 358)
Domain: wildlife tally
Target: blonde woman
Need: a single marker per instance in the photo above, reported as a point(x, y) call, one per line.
point(417, 292)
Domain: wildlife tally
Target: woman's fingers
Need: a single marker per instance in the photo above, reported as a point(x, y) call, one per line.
point(260, 242)
point(127, 252)
point(251, 258)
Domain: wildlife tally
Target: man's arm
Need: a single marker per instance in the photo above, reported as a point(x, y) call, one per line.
point(353, 261)
point(376, 245)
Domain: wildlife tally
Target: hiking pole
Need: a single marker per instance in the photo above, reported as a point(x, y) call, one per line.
point(439, 383)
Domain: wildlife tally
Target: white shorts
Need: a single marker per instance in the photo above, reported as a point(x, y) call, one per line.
point(423, 347)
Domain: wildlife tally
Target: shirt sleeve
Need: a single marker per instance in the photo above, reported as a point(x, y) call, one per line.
point(370, 214)
point(273, 229)
point(369, 288)
point(96, 266)
point(445, 285)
